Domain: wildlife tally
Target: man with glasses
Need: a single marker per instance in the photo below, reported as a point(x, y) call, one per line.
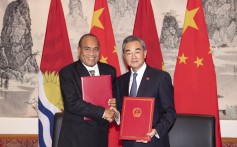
point(145, 81)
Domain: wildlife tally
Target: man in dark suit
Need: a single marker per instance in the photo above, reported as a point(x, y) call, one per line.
point(75, 131)
point(150, 82)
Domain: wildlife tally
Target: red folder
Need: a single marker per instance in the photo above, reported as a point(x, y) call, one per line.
point(97, 90)
point(137, 117)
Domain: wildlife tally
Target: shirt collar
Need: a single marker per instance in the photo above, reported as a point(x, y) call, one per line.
point(141, 70)
point(95, 67)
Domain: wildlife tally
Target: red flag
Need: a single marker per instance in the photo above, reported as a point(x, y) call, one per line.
point(56, 54)
point(195, 89)
point(56, 51)
point(145, 28)
point(102, 28)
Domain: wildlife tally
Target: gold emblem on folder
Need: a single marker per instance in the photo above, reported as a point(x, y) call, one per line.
point(137, 112)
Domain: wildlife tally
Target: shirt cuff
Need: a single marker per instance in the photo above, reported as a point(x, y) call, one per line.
point(103, 116)
point(157, 135)
point(117, 116)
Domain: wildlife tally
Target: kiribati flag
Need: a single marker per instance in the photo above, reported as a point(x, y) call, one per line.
point(56, 54)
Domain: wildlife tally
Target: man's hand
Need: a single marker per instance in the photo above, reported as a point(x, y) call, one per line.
point(116, 115)
point(151, 134)
point(112, 102)
point(109, 114)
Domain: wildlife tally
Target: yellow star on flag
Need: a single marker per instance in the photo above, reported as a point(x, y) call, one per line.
point(103, 59)
point(95, 20)
point(182, 59)
point(163, 66)
point(115, 49)
point(198, 62)
point(189, 19)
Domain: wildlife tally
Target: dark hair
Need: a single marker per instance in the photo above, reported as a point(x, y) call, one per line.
point(82, 37)
point(131, 39)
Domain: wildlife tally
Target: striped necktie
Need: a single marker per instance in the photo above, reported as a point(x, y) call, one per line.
point(92, 72)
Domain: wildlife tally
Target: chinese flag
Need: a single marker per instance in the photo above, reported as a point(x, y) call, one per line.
point(101, 27)
point(195, 89)
point(56, 54)
point(145, 28)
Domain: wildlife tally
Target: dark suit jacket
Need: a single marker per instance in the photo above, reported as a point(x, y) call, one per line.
point(75, 131)
point(155, 83)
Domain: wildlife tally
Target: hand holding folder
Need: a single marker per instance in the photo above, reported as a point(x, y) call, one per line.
point(137, 117)
point(97, 90)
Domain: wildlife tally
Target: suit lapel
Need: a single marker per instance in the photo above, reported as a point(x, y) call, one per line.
point(126, 83)
point(81, 69)
point(144, 83)
point(101, 69)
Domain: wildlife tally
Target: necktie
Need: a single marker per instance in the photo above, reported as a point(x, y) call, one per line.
point(133, 90)
point(92, 72)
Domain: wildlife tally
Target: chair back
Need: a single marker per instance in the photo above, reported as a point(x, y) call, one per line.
point(193, 131)
point(58, 119)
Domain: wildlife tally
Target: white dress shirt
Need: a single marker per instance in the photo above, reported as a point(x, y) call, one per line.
point(140, 74)
point(95, 67)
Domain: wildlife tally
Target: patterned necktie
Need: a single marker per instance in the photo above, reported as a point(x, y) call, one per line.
point(133, 90)
point(92, 72)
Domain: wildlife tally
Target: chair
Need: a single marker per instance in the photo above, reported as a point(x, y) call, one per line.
point(58, 118)
point(193, 131)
